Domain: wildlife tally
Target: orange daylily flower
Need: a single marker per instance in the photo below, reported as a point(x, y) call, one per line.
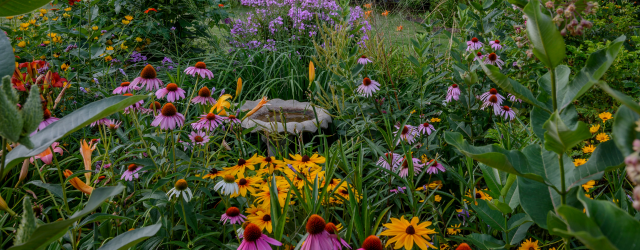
point(262, 102)
point(77, 183)
point(86, 149)
point(150, 9)
point(385, 13)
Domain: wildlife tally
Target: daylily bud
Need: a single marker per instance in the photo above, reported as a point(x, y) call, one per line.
point(5, 207)
point(24, 171)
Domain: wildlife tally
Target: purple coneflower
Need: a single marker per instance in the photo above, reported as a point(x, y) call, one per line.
point(253, 239)
point(426, 128)
point(102, 178)
point(131, 172)
point(232, 119)
point(513, 98)
point(204, 97)
point(317, 236)
point(485, 96)
point(407, 133)
point(47, 119)
point(172, 91)
point(123, 88)
point(404, 170)
point(435, 167)
point(102, 121)
point(135, 106)
point(332, 229)
point(493, 102)
point(113, 124)
point(169, 118)
point(208, 122)
point(453, 93)
point(389, 161)
point(368, 87)
point(199, 69)
point(479, 56)
point(495, 44)
point(364, 60)
point(474, 44)
point(494, 59)
point(148, 77)
point(198, 138)
point(233, 216)
point(507, 113)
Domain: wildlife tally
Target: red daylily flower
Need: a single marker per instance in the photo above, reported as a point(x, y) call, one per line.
point(150, 9)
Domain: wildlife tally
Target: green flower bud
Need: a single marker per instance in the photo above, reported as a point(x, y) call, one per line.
point(27, 224)
point(31, 112)
point(9, 117)
point(8, 89)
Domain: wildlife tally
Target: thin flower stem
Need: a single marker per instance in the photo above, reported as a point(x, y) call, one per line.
point(55, 203)
point(64, 192)
point(135, 119)
point(186, 225)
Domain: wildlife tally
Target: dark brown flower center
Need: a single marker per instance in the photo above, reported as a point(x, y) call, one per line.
point(506, 108)
point(315, 224)
point(331, 228)
point(426, 124)
point(124, 84)
point(198, 138)
point(410, 230)
point(232, 117)
point(372, 243)
point(233, 212)
point(479, 53)
point(305, 158)
point(266, 218)
point(204, 92)
point(155, 106)
point(252, 233)
point(497, 41)
point(493, 99)
point(493, 91)
point(366, 81)
point(405, 130)
point(478, 195)
point(493, 56)
point(201, 65)
point(344, 191)
point(241, 162)
point(46, 114)
point(169, 110)
point(242, 182)
point(211, 116)
point(172, 87)
point(454, 85)
point(148, 72)
point(475, 39)
point(132, 167)
point(363, 56)
point(181, 185)
point(213, 171)
point(267, 159)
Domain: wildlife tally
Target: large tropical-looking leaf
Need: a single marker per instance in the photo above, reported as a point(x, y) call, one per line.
point(512, 86)
point(494, 156)
point(131, 238)
point(584, 229)
point(7, 60)
point(47, 233)
point(69, 124)
point(17, 7)
point(624, 129)
point(605, 158)
point(493, 218)
point(548, 44)
point(559, 137)
point(597, 64)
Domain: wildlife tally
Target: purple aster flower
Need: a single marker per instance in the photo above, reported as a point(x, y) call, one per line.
point(233, 216)
point(474, 44)
point(131, 172)
point(172, 92)
point(122, 72)
point(199, 69)
point(453, 93)
point(169, 118)
point(364, 60)
point(208, 122)
point(368, 87)
point(96, 81)
point(198, 138)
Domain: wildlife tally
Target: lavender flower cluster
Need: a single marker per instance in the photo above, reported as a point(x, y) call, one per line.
point(289, 20)
point(137, 57)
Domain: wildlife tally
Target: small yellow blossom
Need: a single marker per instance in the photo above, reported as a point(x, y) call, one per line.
point(108, 58)
point(64, 67)
point(22, 44)
point(435, 119)
point(594, 128)
point(67, 9)
point(122, 46)
point(94, 28)
point(65, 15)
point(110, 48)
point(32, 21)
point(438, 198)
point(602, 137)
point(138, 39)
point(605, 116)
point(125, 22)
point(413, 111)
point(129, 18)
point(588, 149)
point(579, 162)
point(43, 11)
point(9, 17)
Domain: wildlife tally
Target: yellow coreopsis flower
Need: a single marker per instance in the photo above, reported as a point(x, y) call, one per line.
point(43, 11)
point(529, 245)
point(138, 39)
point(65, 15)
point(589, 185)
point(605, 116)
point(110, 48)
point(67, 9)
point(64, 67)
point(602, 137)
point(32, 21)
point(108, 58)
point(579, 162)
point(304, 161)
point(435, 119)
point(125, 22)
point(454, 229)
point(22, 44)
point(94, 28)
point(55, 19)
point(9, 17)
point(122, 46)
point(129, 18)
point(594, 128)
point(588, 149)
point(24, 26)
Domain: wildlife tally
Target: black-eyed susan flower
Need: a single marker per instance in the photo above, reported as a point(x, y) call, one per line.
point(263, 195)
point(181, 188)
point(241, 167)
point(602, 137)
point(589, 185)
point(529, 245)
point(406, 233)
point(253, 210)
point(480, 195)
point(454, 229)
point(227, 186)
point(213, 173)
point(246, 184)
point(262, 220)
point(304, 161)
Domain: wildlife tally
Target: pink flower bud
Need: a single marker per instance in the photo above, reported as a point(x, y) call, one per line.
point(636, 145)
point(636, 198)
point(549, 4)
point(571, 7)
point(559, 11)
point(563, 32)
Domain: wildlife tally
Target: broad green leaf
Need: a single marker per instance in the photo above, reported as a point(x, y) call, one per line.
point(548, 44)
point(494, 156)
point(536, 200)
point(562, 78)
point(131, 238)
point(7, 59)
point(53, 188)
point(47, 233)
point(69, 124)
point(595, 67)
point(584, 229)
point(517, 235)
point(512, 86)
point(492, 178)
point(621, 97)
point(482, 241)
point(624, 129)
point(539, 118)
point(17, 7)
point(493, 218)
point(556, 225)
point(99, 217)
point(605, 158)
point(616, 224)
point(559, 137)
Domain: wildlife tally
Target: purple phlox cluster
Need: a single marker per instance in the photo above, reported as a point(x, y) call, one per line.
point(168, 63)
point(43, 70)
point(70, 47)
point(137, 57)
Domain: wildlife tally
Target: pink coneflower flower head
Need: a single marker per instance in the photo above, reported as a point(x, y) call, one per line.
point(102, 121)
point(169, 118)
point(407, 133)
point(233, 216)
point(404, 167)
point(47, 120)
point(135, 106)
point(198, 138)
point(253, 239)
point(364, 60)
point(493, 102)
point(233, 119)
point(208, 122)
point(154, 108)
point(113, 124)
point(474, 44)
point(495, 44)
point(507, 113)
point(47, 156)
point(435, 167)
point(148, 76)
point(479, 56)
point(485, 96)
point(426, 128)
point(204, 97)
point(101, 179)
point(131, 172)
point(124, 87)
point(494, 59)
point(389, 161)
point(172, 91)
point(318, 238)
point(372, 243)
point(453, 93)
point(199, 69)
point(368, 87)
point(513, 98)
point(333, 230)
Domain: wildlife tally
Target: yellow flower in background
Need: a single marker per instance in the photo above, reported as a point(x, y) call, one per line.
point(110, 48)
point(138, 39)
point(20, 17)
point(589, 185)
point(129, 18)
point(304, 161)
point(9, 17)
point(602, 137)
point(94, 28)
point(413, 111)
point(43, 11)
point(454, 229)
point(594, 128)
point(47, 42)
point(24, 26)
point(125, 22)
point(262, 220)
point(405, 233)
point(579, 162)
point(368, 6)
point(22, 44)
point(67, 9)
point(45, 18)
point(55, 19)
point(64, 67)
point(529, 245)
point(437, 198)
point(95, 38)
point(122, 46)
point(605, 116)
point(435, 119)
point(43, 57)
point(32, 21)
point(65, 15)
point(588, 149)
point(480, 195)
point(108, 59)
